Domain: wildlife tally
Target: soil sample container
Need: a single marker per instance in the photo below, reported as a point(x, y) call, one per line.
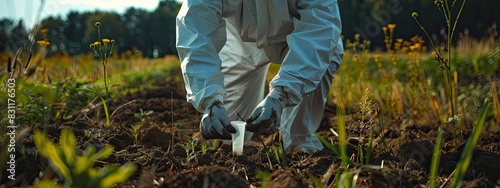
point(241, 136)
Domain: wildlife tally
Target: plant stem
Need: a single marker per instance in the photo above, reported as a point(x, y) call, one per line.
point(105, 80)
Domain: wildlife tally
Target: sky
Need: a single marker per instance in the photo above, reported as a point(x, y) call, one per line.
point(27, 9)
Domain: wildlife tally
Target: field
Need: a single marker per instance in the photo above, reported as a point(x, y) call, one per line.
point(406, 116)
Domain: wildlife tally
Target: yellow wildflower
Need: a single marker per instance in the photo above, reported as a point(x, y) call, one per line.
point(391, 27)
point(377, 57)
point(413, 47)
point(43, 42)
point(105, 41)
point(417, 45)
point(97, 24)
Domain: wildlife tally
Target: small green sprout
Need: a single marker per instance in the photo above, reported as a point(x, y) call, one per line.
point(135, 129)
point(88, 133)
point(142, 114)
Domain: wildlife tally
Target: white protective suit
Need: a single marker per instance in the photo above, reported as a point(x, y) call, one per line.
point(225, 47)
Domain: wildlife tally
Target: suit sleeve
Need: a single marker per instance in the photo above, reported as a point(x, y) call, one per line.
point(312, 47)
point(201, 35)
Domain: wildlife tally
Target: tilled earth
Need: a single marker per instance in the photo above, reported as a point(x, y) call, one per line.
point(164, 158)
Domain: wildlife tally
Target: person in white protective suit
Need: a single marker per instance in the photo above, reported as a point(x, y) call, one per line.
point(225, 48)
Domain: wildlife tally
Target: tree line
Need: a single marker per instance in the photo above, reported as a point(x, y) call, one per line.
point(153, 32)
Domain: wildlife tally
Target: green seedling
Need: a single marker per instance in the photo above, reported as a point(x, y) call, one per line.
point(135, 129)
point(190, 147)
point(204, 147)
point(78, 170)
point(88, 133)
point(279, 155)
point(142, 114)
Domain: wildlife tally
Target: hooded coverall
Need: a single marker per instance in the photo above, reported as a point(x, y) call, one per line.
point(225, 47)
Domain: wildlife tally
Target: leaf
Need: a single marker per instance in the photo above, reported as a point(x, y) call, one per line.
point(48, 149)
point(330, 146)
point(112, 175)
point(68, 145)
point(89, 152)
point(333, 148)
point(82, 165)
point(466, 156)
point(103, 153)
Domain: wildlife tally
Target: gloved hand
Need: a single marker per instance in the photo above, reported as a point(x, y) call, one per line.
point(266, 117)
point(215, 123)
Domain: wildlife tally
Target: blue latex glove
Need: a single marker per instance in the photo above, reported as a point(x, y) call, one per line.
point(266, 117)
point(215, 123)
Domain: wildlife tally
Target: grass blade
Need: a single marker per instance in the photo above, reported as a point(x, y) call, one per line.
point(466, 157)
point(435, 158)
point(369, 148)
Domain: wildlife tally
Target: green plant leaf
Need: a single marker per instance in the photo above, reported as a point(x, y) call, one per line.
point(369, 148)
point(466, 156)
point(89, 152)
point(82, 165)
point(104, 153)
point(114, 174)
point(333, 148)
point(68, 145)
point(48, 150)
point(330, 146)
point(436, 154)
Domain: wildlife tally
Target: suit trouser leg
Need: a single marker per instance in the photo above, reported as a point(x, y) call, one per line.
point(299, 123)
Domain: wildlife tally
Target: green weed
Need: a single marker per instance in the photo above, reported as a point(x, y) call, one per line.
point(78, 170)
point(189, 147)
point(135, 129)
point(103, 49)
point(142, 114)
point(280, 155)
point(443, 53)
point(365, 110)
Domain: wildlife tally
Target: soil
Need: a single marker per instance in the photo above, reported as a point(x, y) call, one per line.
point(164, 160)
